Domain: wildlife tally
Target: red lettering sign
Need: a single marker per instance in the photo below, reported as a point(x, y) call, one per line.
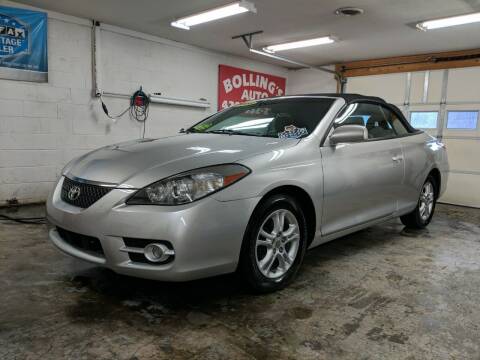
point(237, 85)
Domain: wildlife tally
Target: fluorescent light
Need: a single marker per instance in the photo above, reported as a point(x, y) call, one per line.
point(300, 44)
point(449, 21)
point(214, 14)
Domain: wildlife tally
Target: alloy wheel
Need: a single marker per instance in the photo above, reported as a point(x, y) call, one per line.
point(427, 198)
point(277, 243)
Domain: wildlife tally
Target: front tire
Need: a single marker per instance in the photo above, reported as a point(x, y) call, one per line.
point(421, 216)
point(274, 244)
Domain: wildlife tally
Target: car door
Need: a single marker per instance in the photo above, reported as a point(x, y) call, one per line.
point(362, 180)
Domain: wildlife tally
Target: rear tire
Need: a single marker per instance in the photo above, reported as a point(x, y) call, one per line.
point(274, 244)
point(421, 216)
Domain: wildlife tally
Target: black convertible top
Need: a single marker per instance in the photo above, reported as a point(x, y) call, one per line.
point(355, 97)
point(349, 97)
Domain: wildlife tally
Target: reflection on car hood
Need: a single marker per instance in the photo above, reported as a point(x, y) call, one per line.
point(138, 163)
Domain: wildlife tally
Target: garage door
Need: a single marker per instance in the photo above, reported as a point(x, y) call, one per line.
point(446, 104)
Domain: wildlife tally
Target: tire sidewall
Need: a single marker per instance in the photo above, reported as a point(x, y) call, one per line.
point(248, 263)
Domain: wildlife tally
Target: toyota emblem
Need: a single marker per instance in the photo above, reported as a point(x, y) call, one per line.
point(74, 193)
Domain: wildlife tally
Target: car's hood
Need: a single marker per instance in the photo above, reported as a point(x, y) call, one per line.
point(135, 164)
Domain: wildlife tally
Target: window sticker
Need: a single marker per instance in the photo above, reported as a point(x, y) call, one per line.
point(202, 127)
point(292, 132)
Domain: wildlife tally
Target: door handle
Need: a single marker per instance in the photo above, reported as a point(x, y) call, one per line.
point(397, 158)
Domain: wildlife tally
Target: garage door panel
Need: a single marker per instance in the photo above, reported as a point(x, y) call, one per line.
point(432, 81)
point(464, 84)
point(435, 86)
point(417, 87)
point(462, 133)
point(460, 154)
point(390, 87)
point(462, 189)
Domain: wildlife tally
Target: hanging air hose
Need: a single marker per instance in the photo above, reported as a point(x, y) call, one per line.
point(139, 105)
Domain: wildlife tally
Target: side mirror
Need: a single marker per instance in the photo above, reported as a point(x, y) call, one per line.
point(348, 134)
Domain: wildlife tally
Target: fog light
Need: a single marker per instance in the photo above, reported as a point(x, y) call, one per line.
point(156, 252)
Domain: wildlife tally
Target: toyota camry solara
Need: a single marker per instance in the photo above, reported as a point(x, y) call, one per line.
point(248, 189)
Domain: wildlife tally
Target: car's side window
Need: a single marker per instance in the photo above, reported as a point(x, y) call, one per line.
point(379, 121)
point(395, 122)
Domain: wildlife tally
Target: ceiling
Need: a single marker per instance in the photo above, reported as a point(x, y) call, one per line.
point(382, 31)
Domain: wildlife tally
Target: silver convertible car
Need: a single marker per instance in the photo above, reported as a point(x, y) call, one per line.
point(248, 189)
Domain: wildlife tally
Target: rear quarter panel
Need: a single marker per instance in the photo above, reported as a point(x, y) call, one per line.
point(422, 153)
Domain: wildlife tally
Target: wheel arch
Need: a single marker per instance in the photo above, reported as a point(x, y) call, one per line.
point(305, 201)
point(435, 173)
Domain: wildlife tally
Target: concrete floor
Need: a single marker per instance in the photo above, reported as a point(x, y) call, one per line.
point(383, 293)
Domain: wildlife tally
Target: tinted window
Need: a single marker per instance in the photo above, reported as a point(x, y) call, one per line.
point(424, 119)
point(379, 121)
point(462, 120)
point(286, 118)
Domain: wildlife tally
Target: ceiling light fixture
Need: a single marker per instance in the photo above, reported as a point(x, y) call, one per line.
point(214, 14)
point(299, 44)
point(449, 21)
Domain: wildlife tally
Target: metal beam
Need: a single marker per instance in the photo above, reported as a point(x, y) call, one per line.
point(248, 40)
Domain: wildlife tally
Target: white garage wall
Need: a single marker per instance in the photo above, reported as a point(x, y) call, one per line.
point(42, 126)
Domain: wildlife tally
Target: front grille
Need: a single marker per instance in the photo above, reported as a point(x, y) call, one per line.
point(85, 194)
point(85, 243)
point(140, 244)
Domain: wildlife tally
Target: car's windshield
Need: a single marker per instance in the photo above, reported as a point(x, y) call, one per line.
point(283, 118)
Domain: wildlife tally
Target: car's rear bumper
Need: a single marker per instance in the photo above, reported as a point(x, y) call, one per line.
point(206, 236)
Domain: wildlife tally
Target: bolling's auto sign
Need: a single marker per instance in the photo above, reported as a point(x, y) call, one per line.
point(237, 85)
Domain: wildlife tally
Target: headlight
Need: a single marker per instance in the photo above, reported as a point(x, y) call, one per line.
point(189, 186)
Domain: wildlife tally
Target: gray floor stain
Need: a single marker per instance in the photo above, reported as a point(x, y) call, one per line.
point(383, 293)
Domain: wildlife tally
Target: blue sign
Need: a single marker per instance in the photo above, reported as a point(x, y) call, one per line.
point(23, 44)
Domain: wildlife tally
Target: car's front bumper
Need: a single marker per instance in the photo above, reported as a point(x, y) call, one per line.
point(206, 235)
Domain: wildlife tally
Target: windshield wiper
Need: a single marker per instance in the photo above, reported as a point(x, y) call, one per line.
point(223, 131)
point(233, 132)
